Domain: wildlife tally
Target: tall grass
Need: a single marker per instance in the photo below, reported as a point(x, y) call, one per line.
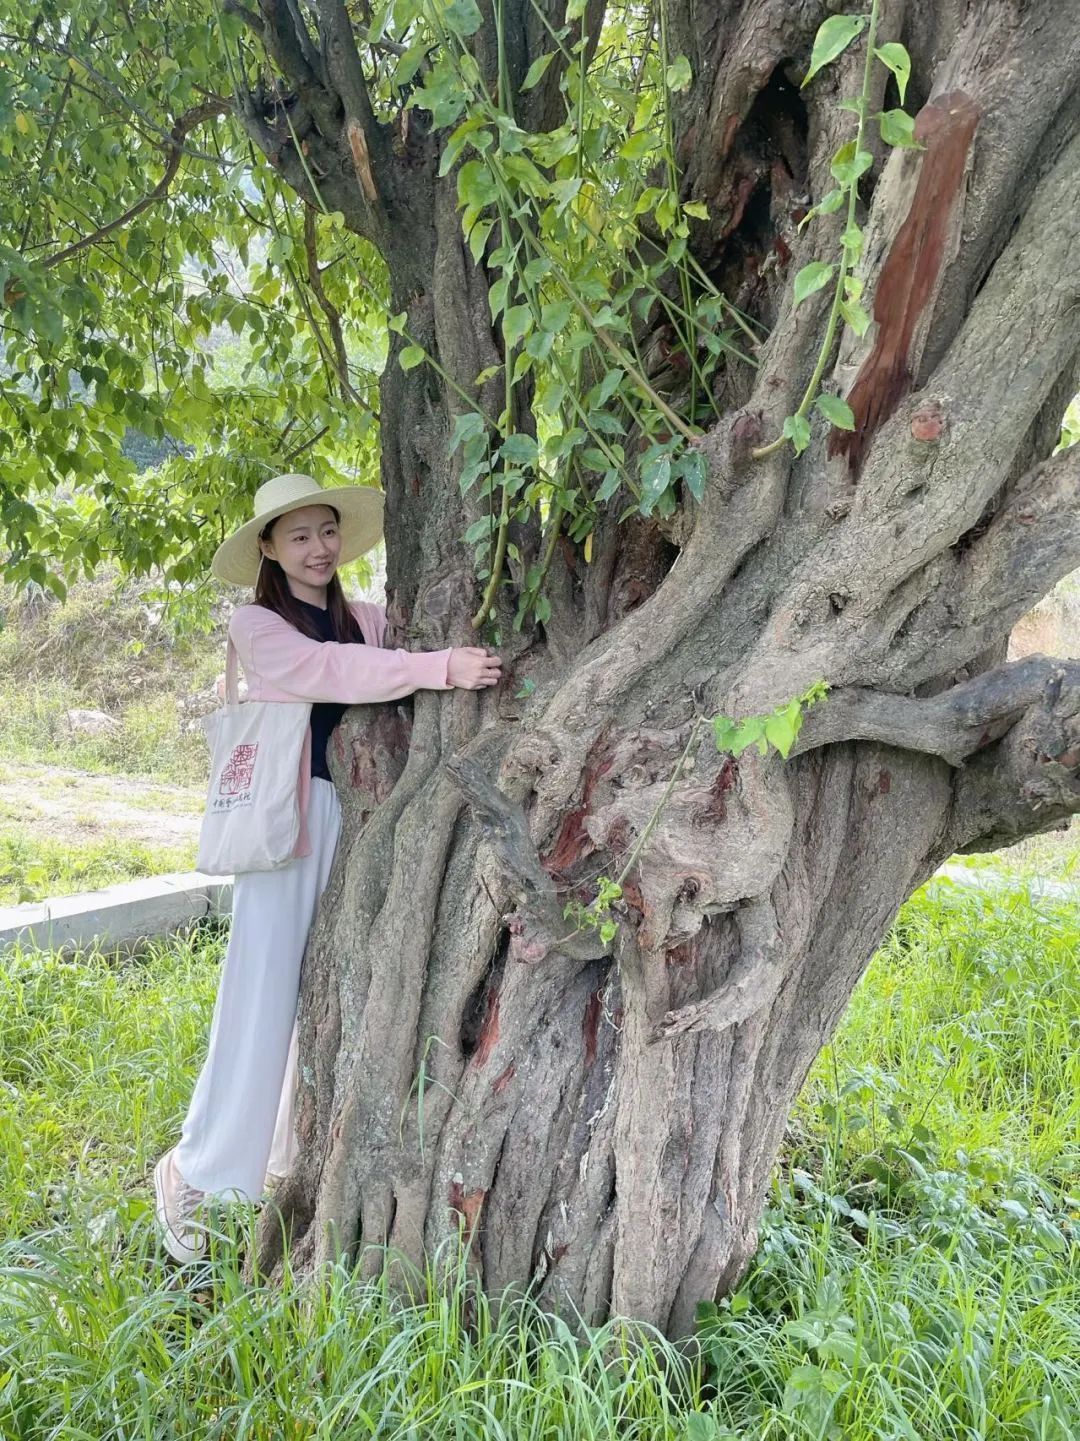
point(918, 1275)
point(109, 648)
point(36, 867)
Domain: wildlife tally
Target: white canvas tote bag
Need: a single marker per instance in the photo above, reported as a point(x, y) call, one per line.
point(252, 818)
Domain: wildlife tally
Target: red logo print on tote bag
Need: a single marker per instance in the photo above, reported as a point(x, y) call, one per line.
point(234, 787)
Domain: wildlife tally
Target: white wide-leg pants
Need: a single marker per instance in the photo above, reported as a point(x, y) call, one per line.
point(240, 1120)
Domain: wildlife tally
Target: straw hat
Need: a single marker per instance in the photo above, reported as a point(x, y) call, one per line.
point(237, 559)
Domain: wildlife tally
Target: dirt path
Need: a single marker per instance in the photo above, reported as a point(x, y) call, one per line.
point(78, 805)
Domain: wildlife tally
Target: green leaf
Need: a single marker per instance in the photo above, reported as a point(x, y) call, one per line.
point(812, 277)
point(478, 238)
point(516, 322)
point(855, 316)
point(655, 479)
point(554, 316)
point(852, 241)
point(638, 145)
point(482, 529)
point(536, 269)
point(476, 184)
point(747, 733)
point(519, 449)
point(608, 931)
point(694, 472)
point(836, 410)
point(828, 205)
point(467, 426)
point(848, 164)
point(833, 38)
point(536, 70)
point(697, 208)
point(780, 733)
point(678, 74)
point(411, 357)
point(463, 17)
point(898, 128)
point(611, 482)
point(899, 62)
point(797, 430)
point(497, 295)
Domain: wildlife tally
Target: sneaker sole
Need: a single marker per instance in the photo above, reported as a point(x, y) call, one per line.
point(169, 1239)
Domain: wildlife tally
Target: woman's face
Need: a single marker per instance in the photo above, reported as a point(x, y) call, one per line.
point(306, 544)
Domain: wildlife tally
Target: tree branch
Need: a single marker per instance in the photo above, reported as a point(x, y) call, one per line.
point(1019, 337)
point(133, 109)
point(290, 48)
point(952, 725)
point(333, 315)
point(1030, 780)
point(183, 125)
point(976, 592)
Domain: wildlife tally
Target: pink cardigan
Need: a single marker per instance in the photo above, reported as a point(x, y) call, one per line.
point(280, 663)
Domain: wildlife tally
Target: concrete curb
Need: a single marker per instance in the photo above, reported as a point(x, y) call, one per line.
point(116, 916)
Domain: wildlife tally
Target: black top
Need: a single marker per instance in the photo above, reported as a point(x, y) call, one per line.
point(325, 715)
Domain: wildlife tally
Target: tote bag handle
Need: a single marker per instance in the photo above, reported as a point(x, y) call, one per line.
point(232, 684)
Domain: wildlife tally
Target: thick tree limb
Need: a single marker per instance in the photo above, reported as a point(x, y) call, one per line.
point(289, 46)
point(953, 725)
point(919, 495)
point(912, 274)
point(1025, 81)
point(345, 71)
point(1030, 780)
point(975, 593)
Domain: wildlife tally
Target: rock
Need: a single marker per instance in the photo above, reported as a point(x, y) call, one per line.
point(91, 723)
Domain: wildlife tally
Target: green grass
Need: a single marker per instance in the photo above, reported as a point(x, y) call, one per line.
point(37, 867)
point(918, 1275)
point(151, 741)
point(106, 648)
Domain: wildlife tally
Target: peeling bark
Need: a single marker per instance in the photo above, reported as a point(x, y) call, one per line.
point(601, 1121)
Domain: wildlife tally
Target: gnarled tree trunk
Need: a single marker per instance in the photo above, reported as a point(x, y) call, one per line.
point(601, 1120)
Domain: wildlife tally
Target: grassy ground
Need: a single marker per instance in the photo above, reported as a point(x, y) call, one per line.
point(63, 831)
point(78, 812)
point(918, 1275)
point(109, 649)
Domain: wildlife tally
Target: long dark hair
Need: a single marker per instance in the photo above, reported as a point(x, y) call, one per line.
point(272, 591)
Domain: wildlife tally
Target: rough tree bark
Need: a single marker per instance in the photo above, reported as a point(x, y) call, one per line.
point(600, 1121)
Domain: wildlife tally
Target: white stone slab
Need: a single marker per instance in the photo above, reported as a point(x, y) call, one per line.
point(119, 915)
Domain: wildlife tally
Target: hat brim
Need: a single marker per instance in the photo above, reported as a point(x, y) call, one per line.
point(360, 507)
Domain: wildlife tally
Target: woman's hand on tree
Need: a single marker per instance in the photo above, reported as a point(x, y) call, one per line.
point(472, 667)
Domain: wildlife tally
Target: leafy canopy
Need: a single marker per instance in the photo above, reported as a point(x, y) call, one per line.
point(158, 299)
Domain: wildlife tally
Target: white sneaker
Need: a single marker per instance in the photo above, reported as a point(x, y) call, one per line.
point(175, 1204)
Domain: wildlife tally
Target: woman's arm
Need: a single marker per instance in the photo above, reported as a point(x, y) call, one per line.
point(305, 669)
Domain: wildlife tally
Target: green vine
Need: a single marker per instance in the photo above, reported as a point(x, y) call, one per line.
point(556, 218)
point(849, 164)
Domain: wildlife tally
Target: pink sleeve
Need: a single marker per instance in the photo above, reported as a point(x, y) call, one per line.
point(307, 669)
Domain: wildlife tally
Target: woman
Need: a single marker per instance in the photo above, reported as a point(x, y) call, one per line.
point(300, 641)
